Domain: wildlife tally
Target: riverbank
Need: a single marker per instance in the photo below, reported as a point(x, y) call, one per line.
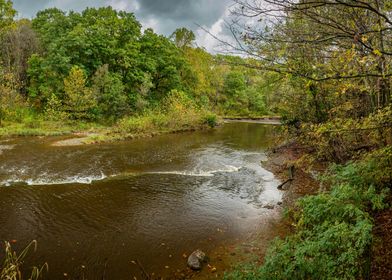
point(39, 127)
point(235, 256)
point(234, 259)
point(273, 120)
point(304, 182)
point(144, 126)
point(350, 203)
point(88, 133)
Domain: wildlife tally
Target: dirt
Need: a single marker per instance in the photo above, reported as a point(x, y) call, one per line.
point(266, 120)
point(381, 267)
point(78, 139)
point(280, 159)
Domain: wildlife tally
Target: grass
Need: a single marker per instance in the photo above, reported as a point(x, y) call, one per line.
point(154, 123)
point(45, 128)
point(150, 123)
point(11, 267)
point(27, 122)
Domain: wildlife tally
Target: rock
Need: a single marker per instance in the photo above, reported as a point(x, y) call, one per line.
point(269, 206)
point(196, 260)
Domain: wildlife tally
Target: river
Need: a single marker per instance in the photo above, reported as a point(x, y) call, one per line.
point(97, 209)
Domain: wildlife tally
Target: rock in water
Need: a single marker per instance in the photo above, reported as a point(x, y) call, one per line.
point(196, 259)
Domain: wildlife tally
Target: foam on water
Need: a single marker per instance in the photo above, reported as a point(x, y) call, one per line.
point(6, 147)
point(79, 179)
point(200, 173)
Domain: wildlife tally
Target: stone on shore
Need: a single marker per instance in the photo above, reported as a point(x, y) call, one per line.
point(196, 260)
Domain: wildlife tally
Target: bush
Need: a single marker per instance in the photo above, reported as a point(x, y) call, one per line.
point(210, 120)
point(333, 230)
point(177, 113)
point(341, 139)
point(134, 125)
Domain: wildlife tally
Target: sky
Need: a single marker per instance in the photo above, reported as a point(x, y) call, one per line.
point(164, 16)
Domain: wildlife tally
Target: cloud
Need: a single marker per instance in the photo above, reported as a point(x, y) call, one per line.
point(123, 5)
point(164, 16)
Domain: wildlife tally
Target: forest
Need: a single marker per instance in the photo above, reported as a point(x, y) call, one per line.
point(323, 66)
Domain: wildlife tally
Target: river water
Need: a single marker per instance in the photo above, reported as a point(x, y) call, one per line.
point(97, 209)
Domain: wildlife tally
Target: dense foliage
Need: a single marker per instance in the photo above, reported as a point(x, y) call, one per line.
point(98, 66)
point(333, 62)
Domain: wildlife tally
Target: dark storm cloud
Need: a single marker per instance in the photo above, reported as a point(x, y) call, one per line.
point(183, 12)
point(164, 16)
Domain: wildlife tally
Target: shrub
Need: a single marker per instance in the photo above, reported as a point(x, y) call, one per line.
point(341, 139)
point(333, 230)
point(210, 120)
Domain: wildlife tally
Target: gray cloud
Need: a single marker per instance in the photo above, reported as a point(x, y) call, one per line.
point(204, 12)
point(164, 16)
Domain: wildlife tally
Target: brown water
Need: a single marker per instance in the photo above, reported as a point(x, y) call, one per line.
point(95, 209)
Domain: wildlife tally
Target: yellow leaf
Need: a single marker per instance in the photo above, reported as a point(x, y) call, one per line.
point(377, 52)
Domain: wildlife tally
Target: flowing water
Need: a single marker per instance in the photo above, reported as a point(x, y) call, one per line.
point(95, 210)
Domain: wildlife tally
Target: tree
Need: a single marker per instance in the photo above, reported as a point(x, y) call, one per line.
point(183, 38)
point(208, 75)
point(8, 84)
point(79, 99)
point(321, 47)
point(10, 99)
point(17, 46)
point(7, 14)
point(163, 61)
point(89, 39)
point(109, 93)
point(234, 83)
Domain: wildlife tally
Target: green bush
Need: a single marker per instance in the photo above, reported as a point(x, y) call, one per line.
point(333, 230)
point(211, 120)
